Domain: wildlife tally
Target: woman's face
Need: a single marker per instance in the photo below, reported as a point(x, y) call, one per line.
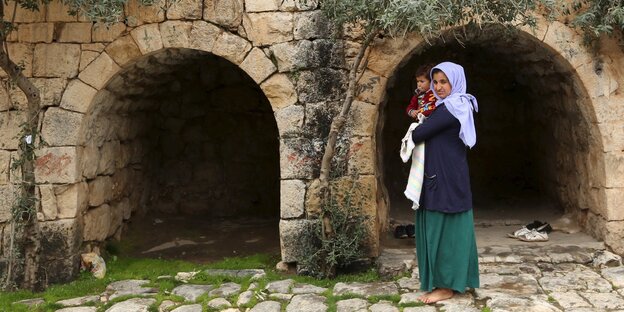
point(441, 84)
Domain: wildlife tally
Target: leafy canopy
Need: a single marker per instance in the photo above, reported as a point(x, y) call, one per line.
point(431, 18)
point(106, 11)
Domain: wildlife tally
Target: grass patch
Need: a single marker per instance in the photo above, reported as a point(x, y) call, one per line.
point(120, 268)
point(392, 298)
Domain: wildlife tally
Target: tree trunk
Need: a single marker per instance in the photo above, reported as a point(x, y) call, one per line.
point(29, 242)
point(330, 148)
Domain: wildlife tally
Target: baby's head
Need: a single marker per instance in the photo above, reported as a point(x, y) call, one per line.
point(423, 82)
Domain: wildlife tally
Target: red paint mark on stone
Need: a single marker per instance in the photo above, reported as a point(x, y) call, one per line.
point(52, 164)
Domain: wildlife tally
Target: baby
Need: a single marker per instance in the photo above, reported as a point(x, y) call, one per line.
point(423, 101)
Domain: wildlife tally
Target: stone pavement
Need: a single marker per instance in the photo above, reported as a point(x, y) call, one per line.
point(513, 278)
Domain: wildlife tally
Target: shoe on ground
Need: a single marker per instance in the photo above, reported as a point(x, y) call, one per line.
point(534, 236)
point(400, 232)
point(410, 229)
point(519, 233)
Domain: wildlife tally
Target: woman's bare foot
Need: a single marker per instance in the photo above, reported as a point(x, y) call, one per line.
point(423, 297)
point(438, 294)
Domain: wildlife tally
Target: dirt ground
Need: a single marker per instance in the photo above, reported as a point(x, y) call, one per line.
point(199, 239)
point(203, 239)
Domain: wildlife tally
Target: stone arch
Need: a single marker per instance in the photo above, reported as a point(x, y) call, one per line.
point(594, 80)
point(88, 90)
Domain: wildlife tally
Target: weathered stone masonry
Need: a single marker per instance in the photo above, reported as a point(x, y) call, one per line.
point(99, 85)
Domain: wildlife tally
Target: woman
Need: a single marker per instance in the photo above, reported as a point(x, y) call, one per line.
point(445, 240)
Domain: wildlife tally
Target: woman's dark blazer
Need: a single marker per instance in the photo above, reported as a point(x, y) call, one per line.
point(446, 185)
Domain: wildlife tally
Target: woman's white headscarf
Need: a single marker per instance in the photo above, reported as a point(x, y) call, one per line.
point(459, 103)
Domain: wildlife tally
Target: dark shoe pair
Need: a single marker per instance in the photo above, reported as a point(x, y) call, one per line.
point(540, 226)
point(404, 231)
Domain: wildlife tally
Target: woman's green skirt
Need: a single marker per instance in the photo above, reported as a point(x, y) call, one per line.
point(446, 250)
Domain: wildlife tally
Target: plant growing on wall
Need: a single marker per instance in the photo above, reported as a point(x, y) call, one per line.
point(23, 238)
point(397, 18)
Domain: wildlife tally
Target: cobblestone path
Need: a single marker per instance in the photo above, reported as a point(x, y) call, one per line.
point(555, 278)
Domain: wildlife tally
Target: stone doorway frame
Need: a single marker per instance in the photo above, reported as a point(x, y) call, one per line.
point(603, 217)
point(60, 163)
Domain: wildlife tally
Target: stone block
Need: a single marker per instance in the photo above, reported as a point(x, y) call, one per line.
point(61, 127)
point(78, 96)
point(95, 47)
point(361, 156)
point(23, 15)
point(22, 54)
point(147, 38)
point(116, 218)
point(292, 236)
point(322, 84)
point(71, 200)
point(86, 57)
point(106, 33)
point(252, 6)
point(233, 48)
point(89, 161)
point(56, 60)
point(612, 134)
point(176, 34)
point(50, 90)
point(74, 32)
point(109, 154)
point(299, 5)
point(59, 12)
point(615, 204)
point(7, 196)
point(204, 35)
point(57, 165)
point(60, 238)
point(5, 165)
point(123, 50)
point(280, 91)
point(290, 118)
point(362, 118)
point(185, 9)
point(36, 32)
point(5, 97)
point(15, 175)
point(10, 127)
point(100, 190)
point(372, 87)
point(49, 208)
point(312, 25)
point(288, 55)
point(258, 66)
point(269, 28)
point(97, 223)
point(614, 168)
point(226, 13)
point(292, 197)
point(99, 72)
point(138, 14)
point(296, 161)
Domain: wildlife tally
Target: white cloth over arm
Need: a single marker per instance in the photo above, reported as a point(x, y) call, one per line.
point(417, 169)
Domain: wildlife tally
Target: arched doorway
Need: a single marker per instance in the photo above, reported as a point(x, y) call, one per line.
point(181, 154)
point(538, 151)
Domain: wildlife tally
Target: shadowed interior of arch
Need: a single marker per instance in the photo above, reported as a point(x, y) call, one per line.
point(189, 146)
point(535, 135)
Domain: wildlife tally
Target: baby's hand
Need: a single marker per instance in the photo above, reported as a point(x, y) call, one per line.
point(413, 114)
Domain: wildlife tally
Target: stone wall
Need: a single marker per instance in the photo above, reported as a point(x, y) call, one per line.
point(101, 124)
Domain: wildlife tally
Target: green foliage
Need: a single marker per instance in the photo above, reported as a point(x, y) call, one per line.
point(431, 18)
point(346, 245)
point(597, 17)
